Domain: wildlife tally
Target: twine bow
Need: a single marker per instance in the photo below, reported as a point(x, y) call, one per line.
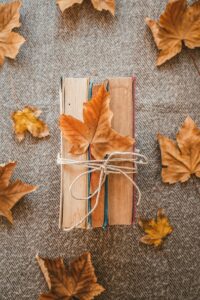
point(112, 164)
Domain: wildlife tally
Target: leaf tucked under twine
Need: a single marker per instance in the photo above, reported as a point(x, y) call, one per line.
point(98, 4)
point(78, 281)
point(95, 132)
point(10, 42)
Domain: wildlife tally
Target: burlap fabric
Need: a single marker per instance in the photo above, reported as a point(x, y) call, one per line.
point(84, 42)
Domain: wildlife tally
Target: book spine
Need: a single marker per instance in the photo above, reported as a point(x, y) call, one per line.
point(74, 94)
point(121, 192)
point(97, 218)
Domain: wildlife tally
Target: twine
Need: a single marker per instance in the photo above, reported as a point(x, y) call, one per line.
point(110, 165)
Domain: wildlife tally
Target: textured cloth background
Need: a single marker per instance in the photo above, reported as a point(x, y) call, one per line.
point(84, 42)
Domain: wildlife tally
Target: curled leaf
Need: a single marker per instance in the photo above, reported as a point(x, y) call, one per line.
point(104, 4)
point(98, 4)
point(27, 120)
point(156, 229)
point(182, 159)
point(11, 193)
point(10, 42)
point(64, 4)
point(76, 282)
point(96, 130)
point(178, 24)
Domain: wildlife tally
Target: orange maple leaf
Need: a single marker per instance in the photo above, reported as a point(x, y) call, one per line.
point(76, 282)
point(98, 4)
point(178, 24)
point(10, 42)
point(182, 159)
point(96, 130)
point(11, 193)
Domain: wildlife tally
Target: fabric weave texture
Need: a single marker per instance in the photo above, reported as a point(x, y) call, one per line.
point(84, 42)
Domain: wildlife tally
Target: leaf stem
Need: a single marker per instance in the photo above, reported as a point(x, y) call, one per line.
point(194, 62)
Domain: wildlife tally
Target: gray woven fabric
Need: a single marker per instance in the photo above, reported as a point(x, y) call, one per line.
point(84, 42)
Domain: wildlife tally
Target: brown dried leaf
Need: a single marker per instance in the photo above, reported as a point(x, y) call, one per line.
point(104, 4)
point(11, 193)
point(76, 282)
point(10, 42)
point(178, 24)
point(96, 130)
point(182, 159)
point(98, 4)
point(64, 4)
point(27, 120)
point(156, 229)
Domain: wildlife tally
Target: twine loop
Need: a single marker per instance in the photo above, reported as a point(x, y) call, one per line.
point(118, 163)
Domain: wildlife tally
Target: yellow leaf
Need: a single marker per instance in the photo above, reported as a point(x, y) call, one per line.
point(10, 42)
point(156, 229)
point(98, 4)
point(76, 282)
point(27, 120)
point(11, 193)
point(96, 130)
point(178, 24)
point(182, 159)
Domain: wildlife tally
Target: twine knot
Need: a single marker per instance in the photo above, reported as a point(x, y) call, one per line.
point(119, 163)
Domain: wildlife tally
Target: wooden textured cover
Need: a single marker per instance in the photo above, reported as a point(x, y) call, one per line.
point(74, 92)
point(120, 189)
point(98, 215)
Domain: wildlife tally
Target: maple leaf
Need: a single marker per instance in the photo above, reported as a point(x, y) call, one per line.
point(27, 120)
point(11, 193)
point(182, 159)
point(96, 130)
point(156, 229)
point(10, 42)
point(178, 24)
point(98, 4)
point(76, 282)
